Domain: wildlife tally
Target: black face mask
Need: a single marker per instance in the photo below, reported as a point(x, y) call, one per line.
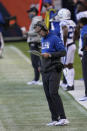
point(45, 6)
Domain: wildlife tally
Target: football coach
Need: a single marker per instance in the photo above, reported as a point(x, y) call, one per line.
point(52, 49)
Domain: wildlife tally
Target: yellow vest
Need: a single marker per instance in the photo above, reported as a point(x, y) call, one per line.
point(47, 16)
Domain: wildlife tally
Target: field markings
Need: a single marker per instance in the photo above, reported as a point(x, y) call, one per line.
point(2, 128)
point(15, 66)
point(21, 54)
point(80, 108)
point(27, 60)
point(21, 71)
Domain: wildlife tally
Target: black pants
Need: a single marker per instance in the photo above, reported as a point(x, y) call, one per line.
point(51, 82)
point(84, 69)
point(0, 44)
point(35, 63)
point(64, 79)
point(35, 60)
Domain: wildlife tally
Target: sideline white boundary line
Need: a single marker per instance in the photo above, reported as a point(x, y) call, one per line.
point(28, 61)
point(2, 127)
point(75, 104)
point(20, 54)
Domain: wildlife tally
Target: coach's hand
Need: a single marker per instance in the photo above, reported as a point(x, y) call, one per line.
point(46, 55)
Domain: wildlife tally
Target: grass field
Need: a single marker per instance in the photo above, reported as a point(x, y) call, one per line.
point(23, 107)
point(23, 46)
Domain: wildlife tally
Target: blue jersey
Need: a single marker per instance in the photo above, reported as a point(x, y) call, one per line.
point(52, 43)
point(55, 28)
point(83, 32)
point(1, 22)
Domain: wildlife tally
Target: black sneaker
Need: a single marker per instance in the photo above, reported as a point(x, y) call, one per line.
point(70, 88)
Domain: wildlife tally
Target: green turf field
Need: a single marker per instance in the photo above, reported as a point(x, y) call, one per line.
point(23, 46)
point(23, 107)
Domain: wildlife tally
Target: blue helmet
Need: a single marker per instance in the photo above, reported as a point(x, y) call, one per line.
point(47, 1)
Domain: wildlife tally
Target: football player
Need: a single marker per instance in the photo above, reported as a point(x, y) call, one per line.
point(67, 30)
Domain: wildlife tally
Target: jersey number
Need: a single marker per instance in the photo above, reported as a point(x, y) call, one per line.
point(71, 32)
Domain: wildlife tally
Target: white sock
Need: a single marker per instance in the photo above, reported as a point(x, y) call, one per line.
point(69, 76)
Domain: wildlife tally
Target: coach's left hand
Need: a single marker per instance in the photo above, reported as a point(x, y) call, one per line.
point(46, 55)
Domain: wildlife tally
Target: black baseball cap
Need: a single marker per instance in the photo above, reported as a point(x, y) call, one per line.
point(33, 9)
point(42, 25)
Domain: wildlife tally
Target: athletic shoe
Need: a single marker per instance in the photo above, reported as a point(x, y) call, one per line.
point(63, 85)
point(62, 122)
point(34, 83)
point(69, 88)
point(83, 98)
point(52, 123)
point(38, 83)
point(31, 82)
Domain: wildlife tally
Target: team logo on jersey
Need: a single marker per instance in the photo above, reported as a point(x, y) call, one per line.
point(45, 45)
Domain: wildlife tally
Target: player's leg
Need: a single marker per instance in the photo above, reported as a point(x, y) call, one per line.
point(69, 70)
point(1, 45)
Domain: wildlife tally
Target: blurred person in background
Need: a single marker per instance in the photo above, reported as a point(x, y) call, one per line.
point(81, 11)
point(83, 33)
point(50, 11)
point(2, 23)
point(33, 40)
point(55, 25)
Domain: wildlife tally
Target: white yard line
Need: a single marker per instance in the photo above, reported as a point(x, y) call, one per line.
point(75, 104)
point(2, 127)
point(79, 92)
point(10, 122)
point(20, 54)
point(6, 61)
point(15, 66)
point(79, 85)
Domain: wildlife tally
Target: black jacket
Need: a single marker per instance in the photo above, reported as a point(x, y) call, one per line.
point(53, 62)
